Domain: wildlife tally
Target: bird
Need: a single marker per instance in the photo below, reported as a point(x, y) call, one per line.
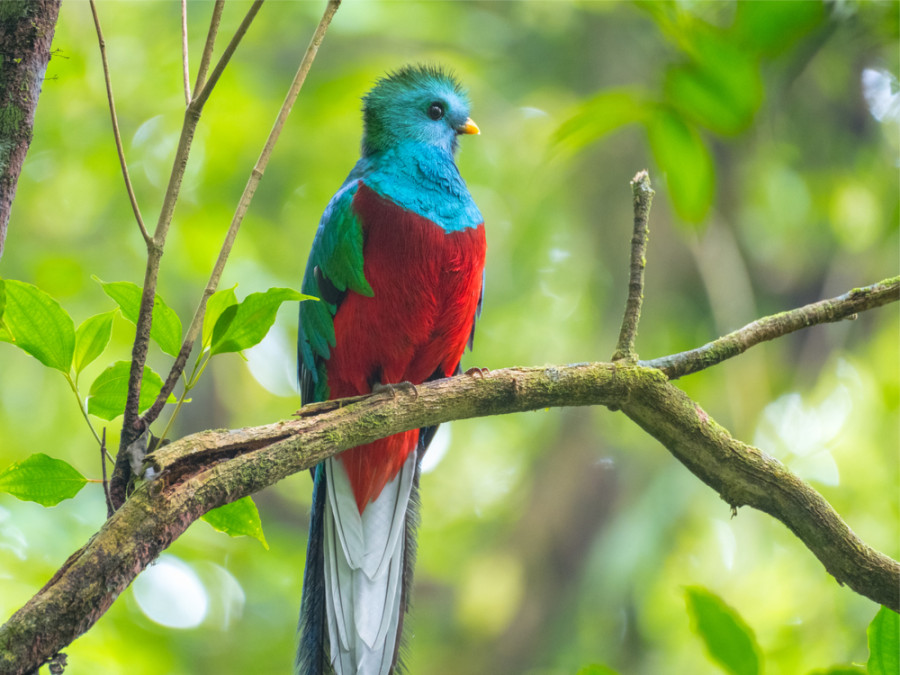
point(397, 263)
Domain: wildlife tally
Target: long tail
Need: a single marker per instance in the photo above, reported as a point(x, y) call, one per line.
point(312, 653)
point(358, 573)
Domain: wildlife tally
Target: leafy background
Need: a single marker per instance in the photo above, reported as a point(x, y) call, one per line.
point(549, 540)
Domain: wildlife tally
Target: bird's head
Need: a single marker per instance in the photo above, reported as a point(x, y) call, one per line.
point(416, 104)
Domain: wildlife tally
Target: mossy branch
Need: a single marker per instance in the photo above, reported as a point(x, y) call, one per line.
point(208, 469)
point(842, 307)
point(643, 199)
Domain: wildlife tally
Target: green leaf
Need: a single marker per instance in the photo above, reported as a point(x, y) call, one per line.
point(773, 27)
point(91, 338)
point(246, 324)
point(109, 391)
point(37, 324)
point(729, 640)
point(42, 479)
point(238, 519)
point(884, 643)
point(683, 156)
point(602, 114)
point(218, 303)
point(5, 335)
point(596, 669)
point(723, 100)
point(839, 670)
point(166, 328)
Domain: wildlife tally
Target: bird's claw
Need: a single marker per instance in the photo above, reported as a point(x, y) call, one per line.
point(379, 388)
point(478, 372)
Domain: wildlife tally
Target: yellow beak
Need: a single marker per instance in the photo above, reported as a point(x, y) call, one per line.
point(469, 127)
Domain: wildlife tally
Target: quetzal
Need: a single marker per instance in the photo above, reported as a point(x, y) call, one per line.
point(398, 263)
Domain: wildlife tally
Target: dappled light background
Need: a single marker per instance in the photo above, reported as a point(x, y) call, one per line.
point(549, 540)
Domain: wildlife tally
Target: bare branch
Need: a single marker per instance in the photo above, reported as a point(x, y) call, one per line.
point(103, 456)
point(206, 57)
point(184, 53)
point(115, 126)
point(205, 470)
point(243, 204)
point(643, 198)
point(844, 306)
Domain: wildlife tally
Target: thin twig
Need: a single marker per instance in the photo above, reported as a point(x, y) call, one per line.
point(115, 126)
point(73, 385)
point(103, 454)
point(243, 204)
point(184, 53)
point(737, 342)
point(643, 198)
point(206, 57)
point(133, 425)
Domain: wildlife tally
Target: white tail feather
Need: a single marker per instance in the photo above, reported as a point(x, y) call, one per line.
point(364, 570)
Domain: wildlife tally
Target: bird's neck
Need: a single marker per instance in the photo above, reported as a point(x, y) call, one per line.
point(424, 179)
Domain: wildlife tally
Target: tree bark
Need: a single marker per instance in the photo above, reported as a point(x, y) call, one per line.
point(26, 31)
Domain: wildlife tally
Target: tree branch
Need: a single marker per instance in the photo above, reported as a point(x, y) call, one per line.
point(115, 125)
point(643, 198)
point(186, 71)
point(746, 476)
point(842, 307)
point(26, 31)
point(208, 469)
point(206, 57)
point(243, 204)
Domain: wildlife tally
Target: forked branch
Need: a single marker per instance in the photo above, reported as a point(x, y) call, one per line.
point(243, 205)
point(133, 425)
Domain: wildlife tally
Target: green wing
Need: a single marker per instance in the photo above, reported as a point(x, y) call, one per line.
point(335, 266)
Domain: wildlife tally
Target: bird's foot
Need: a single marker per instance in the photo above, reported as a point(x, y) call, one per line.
point(478, 372)
point(379, 388)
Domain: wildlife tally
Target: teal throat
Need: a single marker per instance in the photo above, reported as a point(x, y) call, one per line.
point(422, 179)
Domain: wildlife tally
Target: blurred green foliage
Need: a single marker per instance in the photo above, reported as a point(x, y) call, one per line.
point(549, 540)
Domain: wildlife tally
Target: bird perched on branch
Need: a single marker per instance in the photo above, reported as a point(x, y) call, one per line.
point(398, 264)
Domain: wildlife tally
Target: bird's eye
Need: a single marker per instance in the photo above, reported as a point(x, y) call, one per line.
point(436, 111)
